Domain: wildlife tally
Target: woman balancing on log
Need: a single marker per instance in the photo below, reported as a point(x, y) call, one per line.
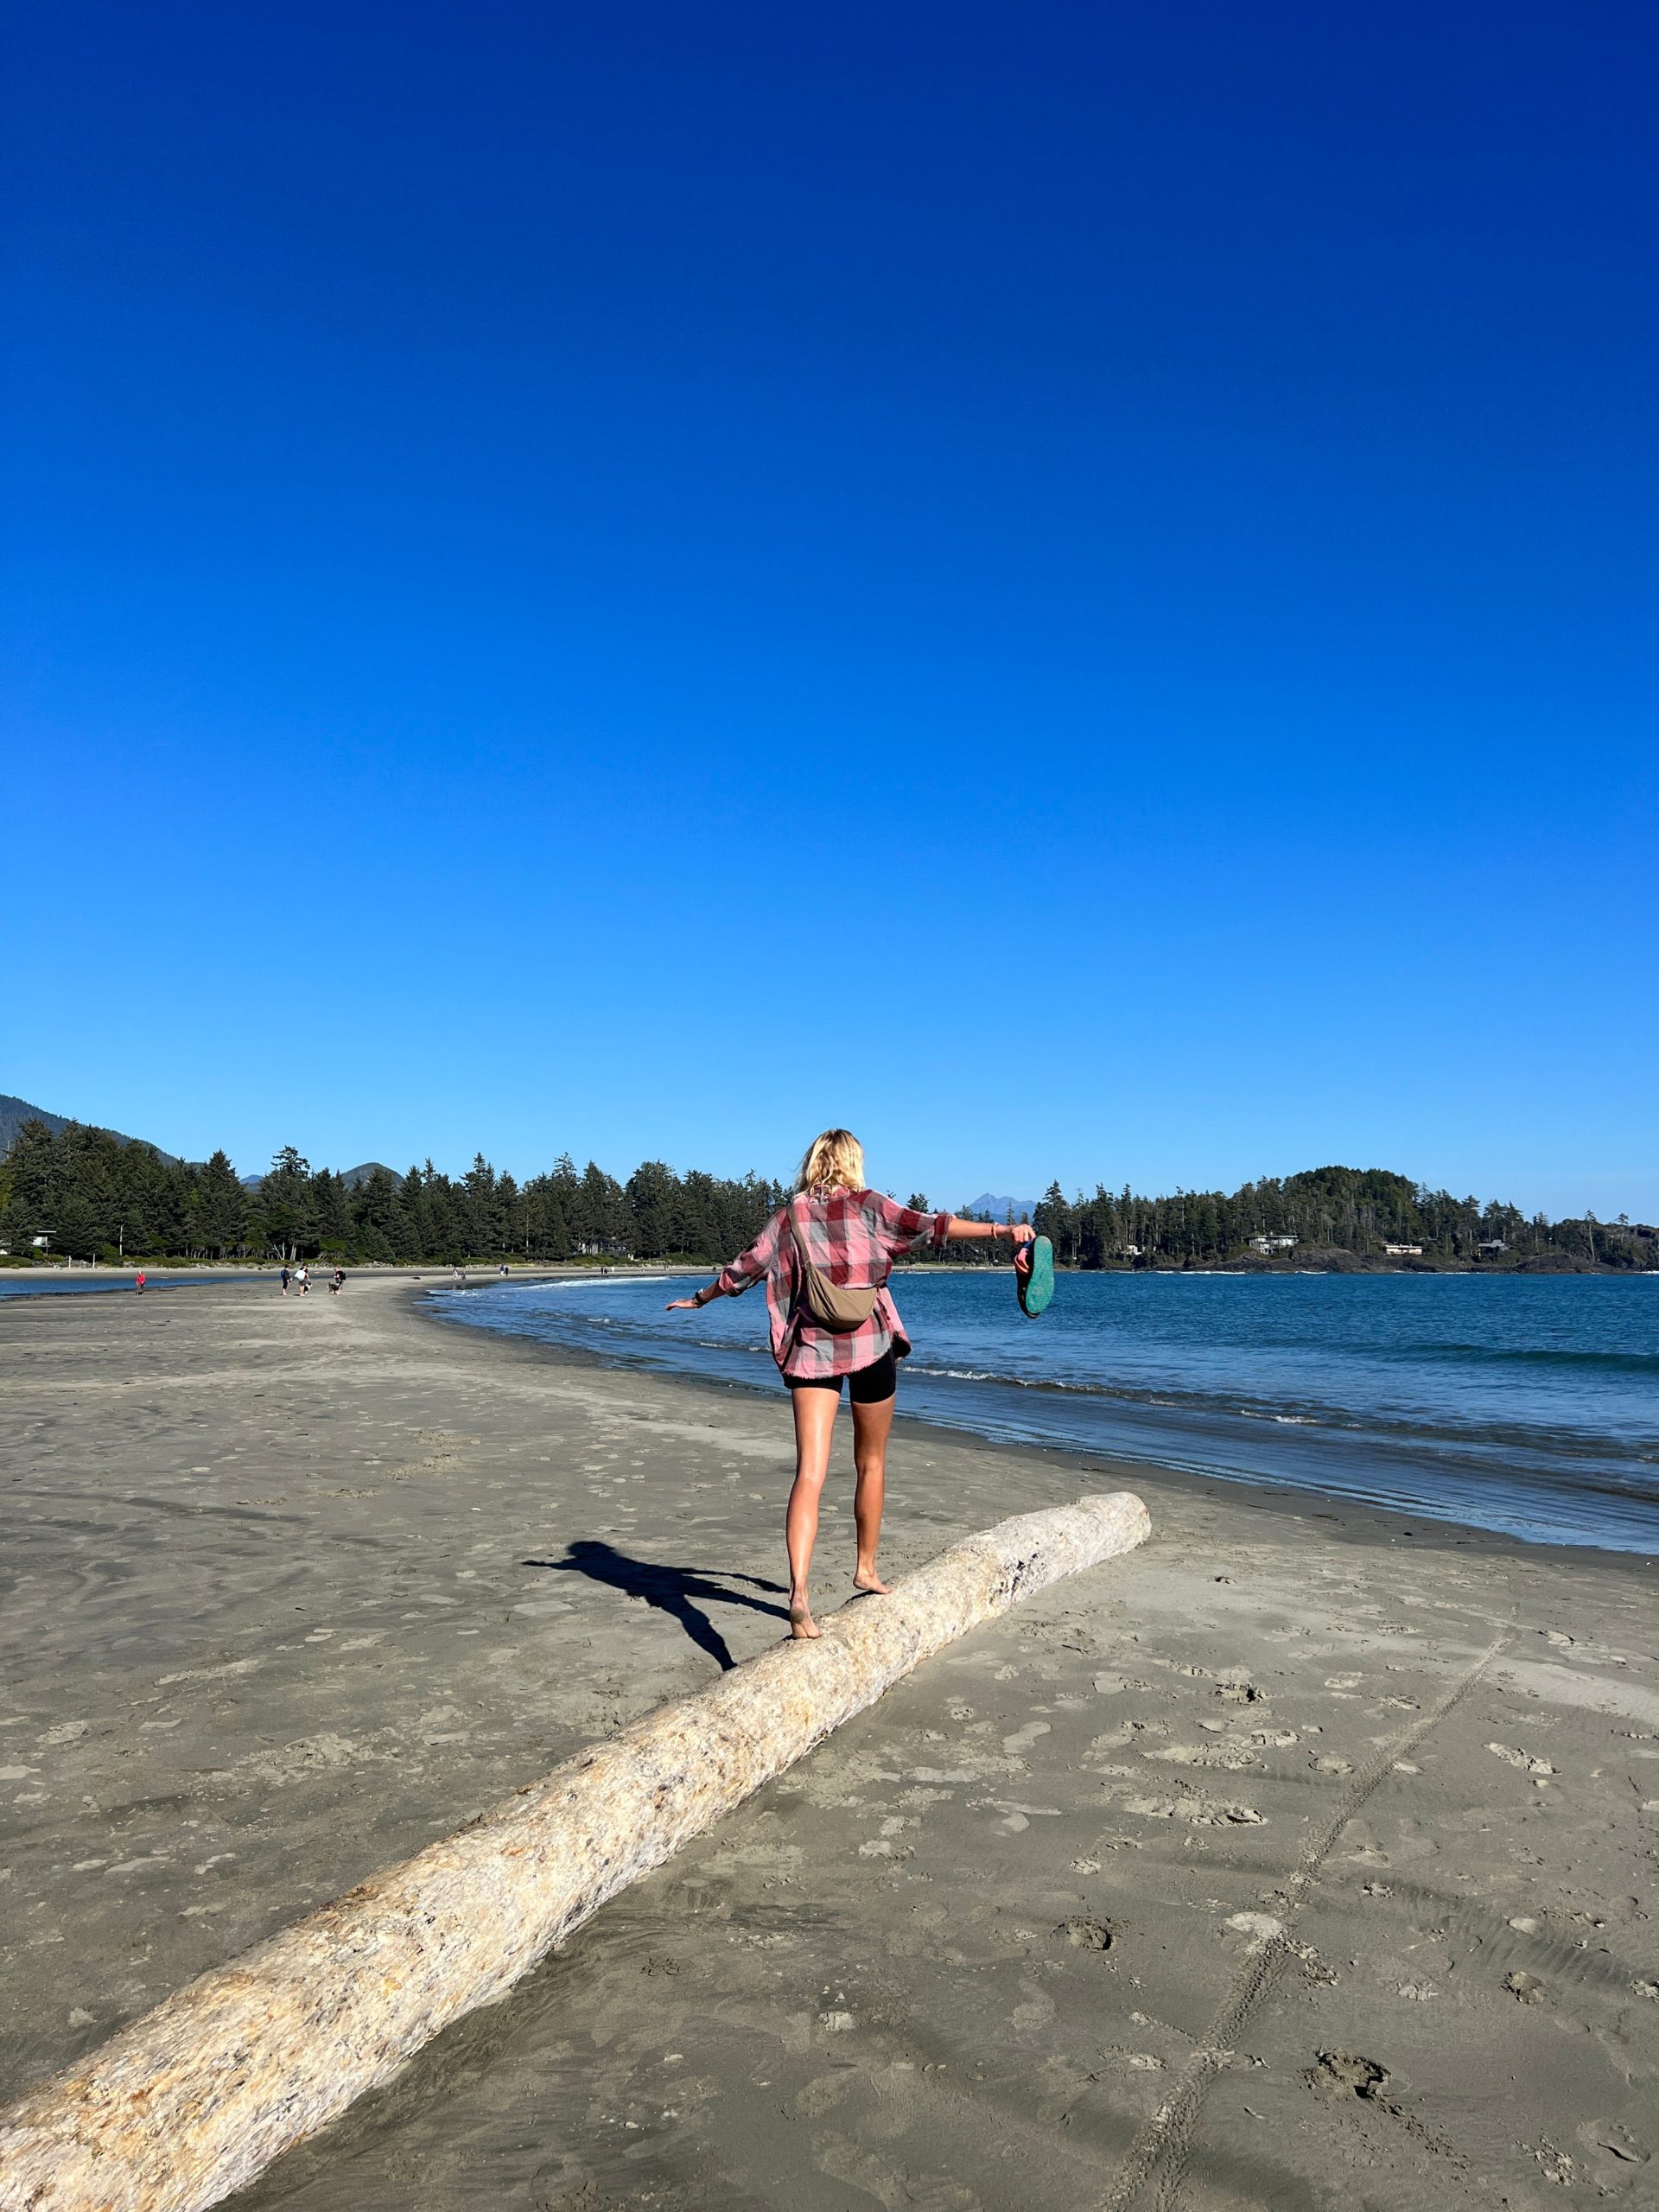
point(824, 1257)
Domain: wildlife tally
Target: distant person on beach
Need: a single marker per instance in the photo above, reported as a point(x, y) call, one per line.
point(336, 1280)
point(824, 1258)
point(138, 1282)
point(302, 1278)
point(285, 1279)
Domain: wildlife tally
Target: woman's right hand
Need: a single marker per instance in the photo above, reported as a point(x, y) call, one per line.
point(679, 1305)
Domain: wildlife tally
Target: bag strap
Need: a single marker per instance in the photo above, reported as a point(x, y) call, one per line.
point(806, 1263)
point(802, 1262)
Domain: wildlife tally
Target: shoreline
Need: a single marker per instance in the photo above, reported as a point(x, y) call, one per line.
point(1292, 1498)
point(368, 1271)
point(1340, 1261)
point(294, 1588)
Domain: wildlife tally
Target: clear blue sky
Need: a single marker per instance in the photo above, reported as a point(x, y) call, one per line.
point(1071, 585)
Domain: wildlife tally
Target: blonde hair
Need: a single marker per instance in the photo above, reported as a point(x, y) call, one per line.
point(834, 1161)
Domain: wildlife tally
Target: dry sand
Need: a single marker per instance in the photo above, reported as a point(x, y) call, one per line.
point(292, 1587)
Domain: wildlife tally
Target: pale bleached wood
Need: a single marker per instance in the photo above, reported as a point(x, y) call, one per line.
point(196, 2098)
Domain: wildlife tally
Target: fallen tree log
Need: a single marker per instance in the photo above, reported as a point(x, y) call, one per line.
point(196, 2098)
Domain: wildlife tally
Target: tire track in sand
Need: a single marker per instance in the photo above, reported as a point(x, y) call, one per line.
point(1153, 2168)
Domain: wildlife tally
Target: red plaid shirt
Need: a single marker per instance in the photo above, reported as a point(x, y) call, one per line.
point(853, 1236)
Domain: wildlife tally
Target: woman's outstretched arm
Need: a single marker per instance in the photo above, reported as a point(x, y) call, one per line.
point(1017, 1232)
point(748, 1268)
point(903, 1229)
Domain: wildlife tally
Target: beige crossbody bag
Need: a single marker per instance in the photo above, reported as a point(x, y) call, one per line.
point(823, 1303)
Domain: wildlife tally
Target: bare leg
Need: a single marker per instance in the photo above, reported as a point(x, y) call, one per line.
point(872, 1425)
point(815, 1421)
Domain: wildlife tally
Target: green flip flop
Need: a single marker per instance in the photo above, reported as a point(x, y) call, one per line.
point(1036, 1283)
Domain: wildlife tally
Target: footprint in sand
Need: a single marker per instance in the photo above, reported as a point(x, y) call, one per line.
point(1196, 1811)
point(1233, 1757)
point(1084, 1933)
point(1021, 1742)
point(1526, 1987)
point(1261, 1927)
point(1525, 1760)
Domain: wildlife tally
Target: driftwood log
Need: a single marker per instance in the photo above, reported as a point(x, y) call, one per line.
point(197, 2097)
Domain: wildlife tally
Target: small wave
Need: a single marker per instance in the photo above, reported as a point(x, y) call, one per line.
point(586, 1283)
point(1460, 1355)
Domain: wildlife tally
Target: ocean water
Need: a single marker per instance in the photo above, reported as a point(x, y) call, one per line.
point(1524, 1404)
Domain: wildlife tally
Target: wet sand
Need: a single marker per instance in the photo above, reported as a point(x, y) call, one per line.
point(291, 1587)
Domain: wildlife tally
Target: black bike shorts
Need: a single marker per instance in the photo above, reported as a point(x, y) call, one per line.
point(867, 1386)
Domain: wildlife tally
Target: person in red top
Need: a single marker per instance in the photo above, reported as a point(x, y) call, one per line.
point(851, 1235)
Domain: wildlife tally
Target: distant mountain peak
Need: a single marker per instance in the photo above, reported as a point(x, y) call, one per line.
point(351, 1177)
point(1001, 1209)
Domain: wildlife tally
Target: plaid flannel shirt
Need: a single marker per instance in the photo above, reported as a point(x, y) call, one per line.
point(853, 1236)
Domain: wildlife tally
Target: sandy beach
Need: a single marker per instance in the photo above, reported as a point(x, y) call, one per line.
point(294, 1586)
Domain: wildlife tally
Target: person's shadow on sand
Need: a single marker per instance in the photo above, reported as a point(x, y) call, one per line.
point(670, 1589)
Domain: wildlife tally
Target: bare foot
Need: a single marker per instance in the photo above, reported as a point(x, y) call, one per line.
point(866, 1577)
point(802, 1626)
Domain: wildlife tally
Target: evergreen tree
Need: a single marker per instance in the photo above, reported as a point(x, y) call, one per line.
point(332, 1227)
point(218, 1208)
point(652, 1191)
point(283, 1204)
point(381, 1229)
point(601, 1213)
point(480, 1225)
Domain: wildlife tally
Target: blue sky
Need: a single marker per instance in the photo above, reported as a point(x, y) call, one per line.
point(1071, 585)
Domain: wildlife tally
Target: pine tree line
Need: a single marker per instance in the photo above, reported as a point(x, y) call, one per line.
point(1357, 1211)
point(100, 1198)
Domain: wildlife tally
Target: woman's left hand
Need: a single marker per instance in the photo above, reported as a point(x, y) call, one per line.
point(679, 1305)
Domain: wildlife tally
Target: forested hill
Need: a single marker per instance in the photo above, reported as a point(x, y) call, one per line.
point(13, 1112)
point(1322, 1217)
point(99, 1196)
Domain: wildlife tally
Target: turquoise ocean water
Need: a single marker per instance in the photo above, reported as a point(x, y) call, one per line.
point(1526, 1404)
